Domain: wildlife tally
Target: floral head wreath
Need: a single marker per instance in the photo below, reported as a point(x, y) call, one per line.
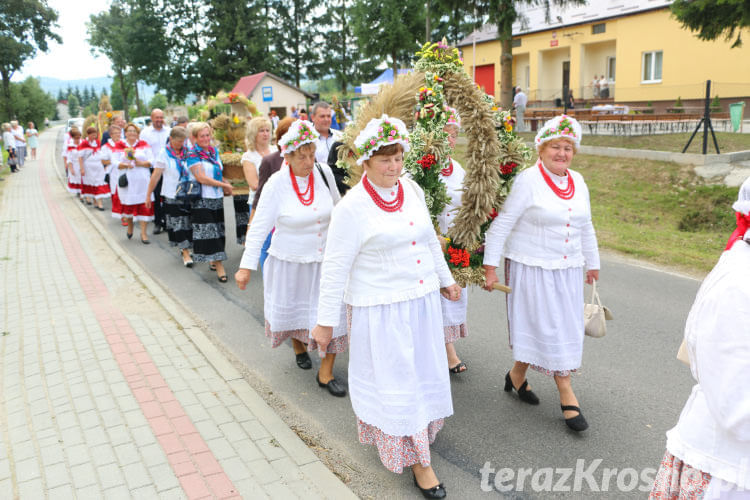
point(300, 132)
point(453, 118)
point(559, 127)
point(380, 132)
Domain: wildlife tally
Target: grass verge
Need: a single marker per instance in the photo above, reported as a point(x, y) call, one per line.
point(728, 141)
point(655, 211)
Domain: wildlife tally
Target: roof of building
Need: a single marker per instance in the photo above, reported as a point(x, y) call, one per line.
point(247, 84)
point(532, 18)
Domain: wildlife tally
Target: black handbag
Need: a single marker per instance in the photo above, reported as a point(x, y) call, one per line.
point(187, 191)
point(106, 178)
point(123, 181)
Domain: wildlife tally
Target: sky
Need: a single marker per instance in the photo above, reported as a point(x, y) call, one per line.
point(72, 59)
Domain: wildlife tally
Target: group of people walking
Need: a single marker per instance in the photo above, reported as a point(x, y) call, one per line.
point(19, 143)
point(363, 271)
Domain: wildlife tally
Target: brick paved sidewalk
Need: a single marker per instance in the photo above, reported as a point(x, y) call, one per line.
point(107, 388)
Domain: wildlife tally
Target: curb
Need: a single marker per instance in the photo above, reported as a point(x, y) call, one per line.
point(323, 478)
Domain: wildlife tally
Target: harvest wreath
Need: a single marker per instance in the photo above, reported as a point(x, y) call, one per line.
point(495, 154)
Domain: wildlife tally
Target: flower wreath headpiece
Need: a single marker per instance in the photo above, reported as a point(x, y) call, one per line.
point(562, 126)
point(453, 118)
point(300, 132)
point(380, 132)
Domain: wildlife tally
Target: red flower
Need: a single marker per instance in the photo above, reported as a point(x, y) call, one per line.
point(427, 161)
point(508, 168)
point(459, 257)
point(493, 214)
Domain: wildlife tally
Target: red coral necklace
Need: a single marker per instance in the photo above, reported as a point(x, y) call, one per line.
point(388, 206)
point(566, 193)
point(307, 197)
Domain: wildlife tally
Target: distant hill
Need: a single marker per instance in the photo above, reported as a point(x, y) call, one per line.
point(53, 85)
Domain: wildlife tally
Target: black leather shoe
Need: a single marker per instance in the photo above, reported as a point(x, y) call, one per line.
point(304, 361)
point(158, 229)
point(333, 387)
point(434, 492)
point(577, 423)
point(524, 394)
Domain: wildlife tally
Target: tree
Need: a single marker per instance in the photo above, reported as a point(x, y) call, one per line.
point(503, 13)
point(26, 26)
point(391, 28)
point(456, 19)
point(158, 101)
point(74, 105)
point(342, 57)
point(116, 99)
point(234, 47)
point(295, 39)
point(713, 19)
point(85, 97)
point(60, 95)
point(30, 103)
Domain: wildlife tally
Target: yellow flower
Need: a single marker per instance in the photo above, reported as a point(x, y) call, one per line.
point(508, 127)
point(429, 89)
point(494, 108)
point(435, 78)
point(236, 120)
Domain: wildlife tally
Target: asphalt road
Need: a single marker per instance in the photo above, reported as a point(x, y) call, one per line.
point(631, 387)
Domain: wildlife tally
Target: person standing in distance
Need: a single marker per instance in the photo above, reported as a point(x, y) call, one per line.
point(156, 136)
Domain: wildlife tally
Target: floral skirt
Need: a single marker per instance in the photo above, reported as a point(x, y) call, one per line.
point(454, 317)
point(397, 452)
point(241, 216)
point(179, 228)
point(207, 221)
point(676, 480)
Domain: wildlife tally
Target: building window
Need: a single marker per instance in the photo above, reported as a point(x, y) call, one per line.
point(598, 28)
point(516, 43)
point(651, 64)
point(611, 67)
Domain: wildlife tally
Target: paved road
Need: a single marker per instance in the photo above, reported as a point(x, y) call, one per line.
point(631, 387)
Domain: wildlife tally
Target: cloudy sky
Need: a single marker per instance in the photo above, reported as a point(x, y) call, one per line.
point(72, 59)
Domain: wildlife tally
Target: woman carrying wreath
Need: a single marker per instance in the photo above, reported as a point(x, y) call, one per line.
point(454, 312)
point(385, 262)
point(297, 200)
point(545, 233)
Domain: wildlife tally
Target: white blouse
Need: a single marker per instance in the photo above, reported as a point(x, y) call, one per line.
point(538, 228)
point(301, 231)
point(377, 257)
point(138, 177)
point(713, 433)
point(171, 174)
point(255, 158)
point(454, 184)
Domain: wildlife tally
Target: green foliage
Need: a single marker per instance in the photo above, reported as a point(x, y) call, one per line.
point(388, 29)
point(25, 27)
point(716, 104)
point(29, 102)
point(296, 28)
point(712, 20)
point(74, 105)
point(158, 101)
point(707, 208)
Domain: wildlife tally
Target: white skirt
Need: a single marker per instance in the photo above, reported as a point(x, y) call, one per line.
point(398, 371)
point(454, 317)
point(290, 296)
point(545, 316)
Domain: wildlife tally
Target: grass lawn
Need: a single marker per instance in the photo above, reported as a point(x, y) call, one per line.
point(728, 141)
point(656, 211)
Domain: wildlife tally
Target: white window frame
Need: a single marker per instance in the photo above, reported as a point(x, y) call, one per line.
point(653, 65)
point(609, 67)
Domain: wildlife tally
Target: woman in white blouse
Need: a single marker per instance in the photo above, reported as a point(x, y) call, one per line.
point(258, 144)
point(90, 160)
point(171, 164)
point(708, 451)
point(385, 262)
point(454, 312)
point(545, 233)
point(135, 163)
point(297, 200)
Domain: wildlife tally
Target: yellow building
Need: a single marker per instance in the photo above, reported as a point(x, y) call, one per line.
point(642, 52)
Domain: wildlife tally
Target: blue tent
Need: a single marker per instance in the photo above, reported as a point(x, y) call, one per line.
point(373, 86)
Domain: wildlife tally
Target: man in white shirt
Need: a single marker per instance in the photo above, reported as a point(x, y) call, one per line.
point(321, 118)
point(156, 136)
point(17, 131)
point(603, 88)
point(519, 102)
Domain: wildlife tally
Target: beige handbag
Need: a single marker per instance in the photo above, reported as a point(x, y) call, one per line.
point(595, 315)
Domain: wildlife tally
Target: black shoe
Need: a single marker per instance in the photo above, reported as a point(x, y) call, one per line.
point(523, 394)
point(130, 235)
point(303, 360)
point(577, 423)
point(145, 242)
point(434, 492)
point(158, 229)
point(333, 387)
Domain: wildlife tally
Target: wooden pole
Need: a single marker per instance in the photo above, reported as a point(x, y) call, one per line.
point(502, 288)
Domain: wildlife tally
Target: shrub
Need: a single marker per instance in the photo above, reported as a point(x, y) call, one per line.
point(708, 208)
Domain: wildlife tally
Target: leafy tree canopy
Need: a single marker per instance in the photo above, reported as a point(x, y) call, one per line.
point(712, 20)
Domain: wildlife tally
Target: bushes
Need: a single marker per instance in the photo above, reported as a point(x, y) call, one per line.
point(708, 208)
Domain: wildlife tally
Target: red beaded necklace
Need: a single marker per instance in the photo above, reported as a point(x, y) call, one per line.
point(388, 206)
point(566, 193)
point(308, 196)
point(447, 171)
